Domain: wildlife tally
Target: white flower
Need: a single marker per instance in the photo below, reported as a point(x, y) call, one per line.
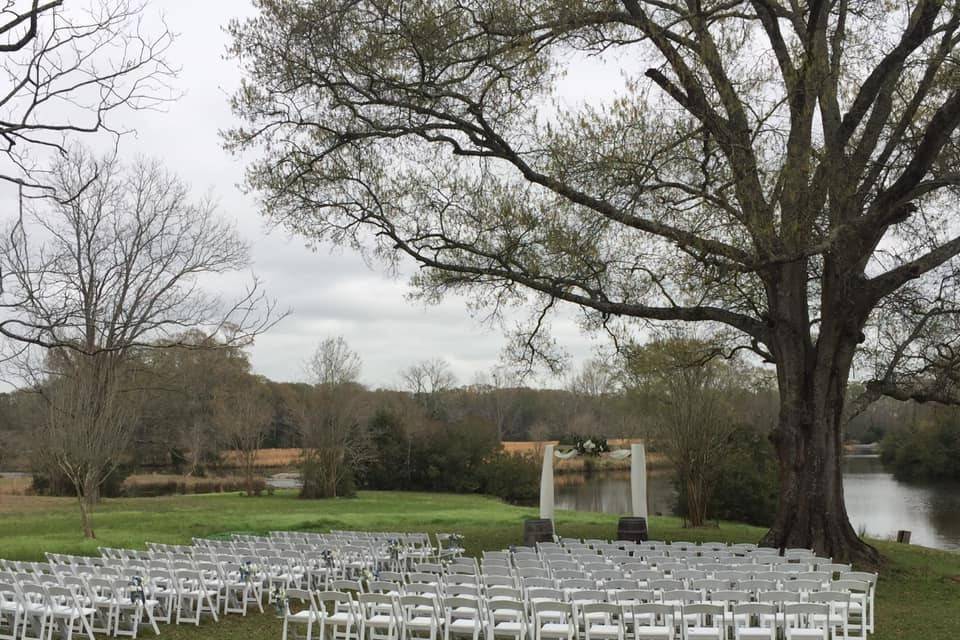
point(589, 446)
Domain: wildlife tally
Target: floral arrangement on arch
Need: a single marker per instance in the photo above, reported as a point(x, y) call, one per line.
point(586, 445)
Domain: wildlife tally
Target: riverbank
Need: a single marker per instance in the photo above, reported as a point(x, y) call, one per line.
point(916, 598)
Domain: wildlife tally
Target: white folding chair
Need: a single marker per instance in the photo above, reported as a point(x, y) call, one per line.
point(653, 621)
point(507, 619)
point(806, 621)
point(420, 617)
point(194, 598)
point(553, 620)
point(703, 621)
point(11, 611)
point(341, 620)
point(750, 621)
point(602, 621)
point(379, 617)
point(67, 614)
point(462, 616)
point(299, 611)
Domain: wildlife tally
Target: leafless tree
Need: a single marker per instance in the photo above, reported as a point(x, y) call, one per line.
point(334, 363)
point(66, 69)
point(332, 417)
point(428, 376)
point(428, 380)
point(112, 265)
point(693, 419)
point(775, 170)
point(243, 413)
point(498, 395)
point(88, 425)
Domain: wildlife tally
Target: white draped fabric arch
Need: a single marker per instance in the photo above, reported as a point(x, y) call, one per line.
point(638, 477)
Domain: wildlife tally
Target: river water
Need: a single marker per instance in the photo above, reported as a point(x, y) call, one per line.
point(876, 501)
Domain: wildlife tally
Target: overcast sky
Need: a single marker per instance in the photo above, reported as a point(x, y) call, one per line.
point(331, 291)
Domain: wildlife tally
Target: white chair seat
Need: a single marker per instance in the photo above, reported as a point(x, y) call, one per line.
point(338, 618)
point(653, 632)
point(555, 628)
point(808, 633)
point(605, 630)
point(303, 616)
point(464, 623)
point(380, 619)
point(705, 632)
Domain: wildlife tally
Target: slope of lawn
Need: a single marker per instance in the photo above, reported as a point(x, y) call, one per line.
point(918, 595)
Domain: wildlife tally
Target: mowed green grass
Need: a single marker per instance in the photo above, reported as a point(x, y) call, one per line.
point(918, 595)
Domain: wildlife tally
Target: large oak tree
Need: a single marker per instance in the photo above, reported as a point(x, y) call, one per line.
point(787, 170)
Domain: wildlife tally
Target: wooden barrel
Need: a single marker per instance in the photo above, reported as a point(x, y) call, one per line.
point(537, 530)
point(632, 529)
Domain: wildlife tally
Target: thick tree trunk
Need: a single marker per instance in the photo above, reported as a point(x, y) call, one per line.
point(809, 442)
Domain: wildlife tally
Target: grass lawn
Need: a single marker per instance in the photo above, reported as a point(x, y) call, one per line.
point(918, 595)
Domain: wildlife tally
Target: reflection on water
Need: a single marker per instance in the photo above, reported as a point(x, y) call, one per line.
point(609, 492)
point(876, 501)
point(881, 504)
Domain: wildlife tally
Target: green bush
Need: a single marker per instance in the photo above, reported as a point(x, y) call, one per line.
point(155, 487)
point(512, 477)
point(924, 451)
point(746, 489)
point(53, 482)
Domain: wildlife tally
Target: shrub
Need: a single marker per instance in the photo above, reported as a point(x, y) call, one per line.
point(746, 488)
point(512, 477)
point(53, 482)
point(150, 486)
point(924, 451)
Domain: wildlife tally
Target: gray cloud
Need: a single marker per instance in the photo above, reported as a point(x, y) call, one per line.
point(330, 293)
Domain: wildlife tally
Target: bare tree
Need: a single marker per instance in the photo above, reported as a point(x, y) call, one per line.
point(428, 376)
point(243, 413)
point(334, 363)
point(499, 399)
point(776, 170)
point(427, 381)
point(693, 421)
point(67, 69)
point(109, 267)
point(332, 417)
point(88, 426)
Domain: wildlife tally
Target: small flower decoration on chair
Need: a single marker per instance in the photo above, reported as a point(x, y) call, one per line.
point(455, 543)
point(368, 575)
point(248, 571)
point(394, 549)
point(278, 595)
point(136, 590)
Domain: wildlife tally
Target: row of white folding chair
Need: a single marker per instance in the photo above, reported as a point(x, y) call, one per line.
point(846, 593)
point(234, 591)
point(687, 550)
point(185, 592)
point(35, 611)
point(394, 617)
point(549, 560)
point(682, 601)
